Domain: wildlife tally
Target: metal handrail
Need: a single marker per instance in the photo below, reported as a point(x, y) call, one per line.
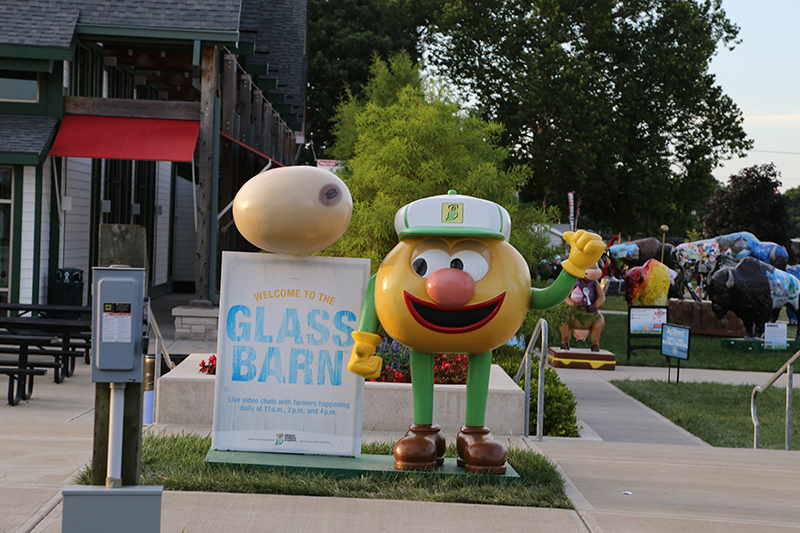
point(788, 368)
point(161, 347)
point(526, 364)
point(160, 343)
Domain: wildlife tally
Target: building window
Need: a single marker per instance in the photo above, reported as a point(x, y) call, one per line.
point(6, 185)
point(19, 86)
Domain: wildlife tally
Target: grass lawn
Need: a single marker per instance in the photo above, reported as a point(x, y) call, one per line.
point(178, 463)
point(704, 351)
point(718, 414)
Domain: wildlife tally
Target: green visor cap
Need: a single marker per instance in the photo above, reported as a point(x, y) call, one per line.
point(453, 215)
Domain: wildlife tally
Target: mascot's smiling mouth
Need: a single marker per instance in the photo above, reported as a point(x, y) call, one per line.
point(460, 320)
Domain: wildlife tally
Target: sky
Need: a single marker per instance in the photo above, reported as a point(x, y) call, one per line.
point(762, 76)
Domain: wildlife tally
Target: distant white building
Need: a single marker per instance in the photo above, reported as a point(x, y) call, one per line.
point(555, 232)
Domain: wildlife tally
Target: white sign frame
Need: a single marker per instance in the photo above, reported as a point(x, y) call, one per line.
point(775, 336)
point(282, 382)
point(646, 319)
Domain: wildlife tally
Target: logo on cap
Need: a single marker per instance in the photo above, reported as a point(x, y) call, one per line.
point(453, 213)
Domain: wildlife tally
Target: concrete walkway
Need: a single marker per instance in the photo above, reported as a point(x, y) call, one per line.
point(632, 471)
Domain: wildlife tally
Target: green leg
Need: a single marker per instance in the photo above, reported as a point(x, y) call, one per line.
point(422, 386)
point(478, 388)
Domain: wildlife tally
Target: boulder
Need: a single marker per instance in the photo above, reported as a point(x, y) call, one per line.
point(701, 319)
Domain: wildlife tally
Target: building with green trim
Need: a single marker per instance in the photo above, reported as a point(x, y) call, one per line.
point(150, 113)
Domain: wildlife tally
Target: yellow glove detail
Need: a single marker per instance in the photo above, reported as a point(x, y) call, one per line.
point(585, 250)
point(363, 362)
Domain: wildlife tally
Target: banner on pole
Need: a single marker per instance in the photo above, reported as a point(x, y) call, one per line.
point(571, 198)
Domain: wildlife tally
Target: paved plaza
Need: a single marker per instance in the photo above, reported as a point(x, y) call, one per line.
point(632, 470)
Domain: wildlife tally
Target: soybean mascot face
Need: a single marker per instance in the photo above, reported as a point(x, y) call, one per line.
point(448, 294)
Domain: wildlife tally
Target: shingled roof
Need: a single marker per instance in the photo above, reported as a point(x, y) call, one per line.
point(278, 30)
point(52, 23)
point(26, 135)
point(30, 24)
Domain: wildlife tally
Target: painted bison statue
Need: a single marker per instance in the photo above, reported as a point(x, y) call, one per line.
point(754, 291)
point(651, 284)
point(699, 258)
point(706, 255)
point(638, 252)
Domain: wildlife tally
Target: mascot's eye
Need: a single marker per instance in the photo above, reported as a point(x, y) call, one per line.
point(470, 262)
point(420, 266)
point(430, 261)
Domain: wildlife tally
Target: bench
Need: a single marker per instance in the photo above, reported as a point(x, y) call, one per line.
point(62, 363)
point(21, 371)
point(61, 338)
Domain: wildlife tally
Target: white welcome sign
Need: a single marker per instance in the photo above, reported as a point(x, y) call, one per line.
point(284, 341)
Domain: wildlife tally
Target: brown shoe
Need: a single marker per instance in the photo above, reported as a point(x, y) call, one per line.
point(422, 448)
point(478, 452)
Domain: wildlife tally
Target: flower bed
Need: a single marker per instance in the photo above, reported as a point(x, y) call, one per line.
point(448, 369)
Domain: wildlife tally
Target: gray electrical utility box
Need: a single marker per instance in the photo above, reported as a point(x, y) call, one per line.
point(117, 324)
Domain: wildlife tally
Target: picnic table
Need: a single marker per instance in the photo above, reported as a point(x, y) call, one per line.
point(31, 330)
point(20, 371)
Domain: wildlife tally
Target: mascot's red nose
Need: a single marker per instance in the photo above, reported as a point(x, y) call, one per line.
point(450, 287)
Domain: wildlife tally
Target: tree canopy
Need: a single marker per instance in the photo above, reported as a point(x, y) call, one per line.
point(751, 202)
point(792, 197)
point(404, 142)
point(612, 100)
point(343, 38)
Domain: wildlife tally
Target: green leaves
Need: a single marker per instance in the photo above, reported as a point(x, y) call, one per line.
point(612, 100)
point(344, 36)
point(403, 144)
point(751, 202)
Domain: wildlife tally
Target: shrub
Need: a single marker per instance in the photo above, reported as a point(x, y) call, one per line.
point(560, 419)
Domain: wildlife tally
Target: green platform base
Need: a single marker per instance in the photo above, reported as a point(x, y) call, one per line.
point(342, 467)
point(757, 345)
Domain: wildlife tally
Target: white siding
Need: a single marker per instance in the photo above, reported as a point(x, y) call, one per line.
point(44, 258)
point(76, 192)
point(184, 242)
point(27, 234)
point(162, 222)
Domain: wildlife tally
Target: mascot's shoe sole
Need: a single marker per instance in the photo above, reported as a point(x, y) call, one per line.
point(478, 452)
point(422, 448)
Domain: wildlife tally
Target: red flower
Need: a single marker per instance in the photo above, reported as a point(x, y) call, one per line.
point(450, 369)
point(209, 368)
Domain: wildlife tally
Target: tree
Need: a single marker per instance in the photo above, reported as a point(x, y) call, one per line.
point(404, 143)
point(612, 100)
point(343, 38)
point(792, 197)
point(751, 202)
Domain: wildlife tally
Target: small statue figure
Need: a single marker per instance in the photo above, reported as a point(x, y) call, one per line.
point(585, 301)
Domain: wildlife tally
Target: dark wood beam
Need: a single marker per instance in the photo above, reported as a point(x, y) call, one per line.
point(120, 107)
point(205, 170)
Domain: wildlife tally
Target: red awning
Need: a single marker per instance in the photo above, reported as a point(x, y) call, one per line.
point(142, 139)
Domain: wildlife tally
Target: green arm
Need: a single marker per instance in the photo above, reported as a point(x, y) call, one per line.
point(555, 293)
point(369, 317)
